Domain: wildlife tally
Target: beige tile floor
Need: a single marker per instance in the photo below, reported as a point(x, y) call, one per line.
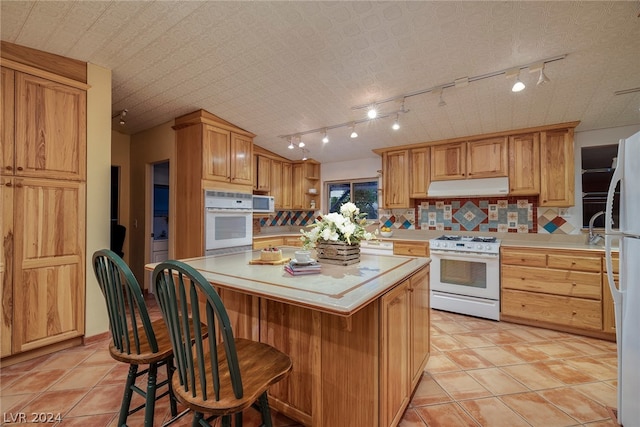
point(480, 373)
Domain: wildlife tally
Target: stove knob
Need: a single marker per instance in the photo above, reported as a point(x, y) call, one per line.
point(488, 247)
point(479, 246)
point(436, 244)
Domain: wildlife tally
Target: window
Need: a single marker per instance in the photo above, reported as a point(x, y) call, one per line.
point(363, 193)
point(597, 170)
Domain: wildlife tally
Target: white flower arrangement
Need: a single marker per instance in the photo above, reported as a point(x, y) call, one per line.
point(346, 226)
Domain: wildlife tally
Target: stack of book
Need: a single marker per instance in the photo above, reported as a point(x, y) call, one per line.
point(297, 269)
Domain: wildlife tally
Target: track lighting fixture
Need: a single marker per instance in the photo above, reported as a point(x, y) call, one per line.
point(300, 142)
point(290, 146)
point(438, 92)
point(518, 85)
point(373, 112)
point(396, 124)
point(354, 134)
point(543, 77)
point(122, 115)
point(325, 139)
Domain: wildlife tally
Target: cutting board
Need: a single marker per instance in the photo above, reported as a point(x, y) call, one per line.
point(259, 261)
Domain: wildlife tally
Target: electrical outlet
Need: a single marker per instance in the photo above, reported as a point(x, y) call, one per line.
point(563, 212)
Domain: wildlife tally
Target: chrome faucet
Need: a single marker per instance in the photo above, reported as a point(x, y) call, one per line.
point(594, 238)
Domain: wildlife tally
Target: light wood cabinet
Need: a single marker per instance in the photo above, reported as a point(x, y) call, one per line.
point(297, 186)
point(263, 174)
point(292, 241)
point(311, 181)
point(420, 325)
point(557, 168)
point(472, 159)
point(265, 242)
point(524, 164)
point(608, 310)
point(276, 183)
point(43, 212)
point(448, 161)
point(552, 288)
point(396, 377)
point(287, 190)
point(487, 158)
point(395, 179)
point(210, 154)
point(419, 172)
point(401, 247)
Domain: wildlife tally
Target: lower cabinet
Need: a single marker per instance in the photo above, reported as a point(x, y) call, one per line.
point(265, 242)
point(554, 288)
point(404, 344)
point(411, 248)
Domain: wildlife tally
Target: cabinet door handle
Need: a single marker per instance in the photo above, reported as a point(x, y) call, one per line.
point(9, 168)
point(8, 184)
point(20, 168)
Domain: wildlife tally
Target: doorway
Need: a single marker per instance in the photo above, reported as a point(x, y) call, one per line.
point(159, 215)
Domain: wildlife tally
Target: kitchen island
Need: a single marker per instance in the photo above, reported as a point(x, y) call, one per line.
point(358, 335)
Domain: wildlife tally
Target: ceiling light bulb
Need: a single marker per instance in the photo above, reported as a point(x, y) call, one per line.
point(354, 134)
point(518, 85)
point(396, 124)
point(372, 113)
point(290, 146)
point(122, 123)
point(300, 144)
point(325, 139)
point(543, 78)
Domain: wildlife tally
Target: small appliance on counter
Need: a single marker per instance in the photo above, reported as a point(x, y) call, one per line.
point(264, 204)
point(465, 275)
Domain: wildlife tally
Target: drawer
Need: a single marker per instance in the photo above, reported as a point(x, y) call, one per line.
point(559, 310)
point(569, 262)
point(532, 259)
point(265, 242)
point(411, 249)
point(292, 241)
point(558, 282)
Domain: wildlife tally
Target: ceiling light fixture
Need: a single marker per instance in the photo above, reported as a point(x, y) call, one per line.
point(354, 134)
point(300, 142)
point(396, 124)
point(517, 85)
point(373, 112)
point(543, 78)
point(122, 115)
point(442, 103)
point(290, 146)
point(325, 139)
point(463, 81)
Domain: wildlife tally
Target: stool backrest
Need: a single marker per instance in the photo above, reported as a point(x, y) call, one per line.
point(128, 315)
point(189, 303)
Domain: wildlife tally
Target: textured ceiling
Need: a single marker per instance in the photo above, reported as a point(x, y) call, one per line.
point(277, 68)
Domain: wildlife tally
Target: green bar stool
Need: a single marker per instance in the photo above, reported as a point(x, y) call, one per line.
point(218, 376)
point(136, 340)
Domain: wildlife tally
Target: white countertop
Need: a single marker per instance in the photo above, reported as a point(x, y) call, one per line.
point(340, 290)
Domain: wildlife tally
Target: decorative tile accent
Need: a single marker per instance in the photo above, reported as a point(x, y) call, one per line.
point(404, 219)
point(283, 218)
point(512, 215)
point(549, 222)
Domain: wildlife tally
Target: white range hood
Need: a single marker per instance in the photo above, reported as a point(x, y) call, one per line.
point(469, 187)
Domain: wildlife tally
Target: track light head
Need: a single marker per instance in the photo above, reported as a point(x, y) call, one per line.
point(542, 79)
point(290, 146)
point(518, 86)
point(354, 134)
point(325, 138)
point(396, 124)
point(300, 143)
point(373, 112)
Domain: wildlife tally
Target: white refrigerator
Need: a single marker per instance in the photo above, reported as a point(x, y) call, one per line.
point(626, 295)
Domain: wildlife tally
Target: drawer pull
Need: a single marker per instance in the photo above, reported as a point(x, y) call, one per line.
point(573, 284)
point(574, 313)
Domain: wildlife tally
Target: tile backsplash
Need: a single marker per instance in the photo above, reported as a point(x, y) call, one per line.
point(483, 214)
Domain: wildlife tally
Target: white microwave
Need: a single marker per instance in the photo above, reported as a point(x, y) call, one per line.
point(263, 203)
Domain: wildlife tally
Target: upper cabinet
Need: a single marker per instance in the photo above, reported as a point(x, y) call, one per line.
point(419, 172)
point(556, 168)
point(487, 158)
point(395, 179)
point(448, 161)
point(524, 164)
point(227, 156)
point(471, 159)
point(39, 141)
point(262, 173)
point(537, 161)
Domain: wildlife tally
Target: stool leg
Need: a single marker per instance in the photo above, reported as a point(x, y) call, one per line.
point(265, 411)
point(172, 398)
point(150, 404)
point(128, 393)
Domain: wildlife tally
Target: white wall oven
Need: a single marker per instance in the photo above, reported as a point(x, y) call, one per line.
point(228, 222)
point(465, 275)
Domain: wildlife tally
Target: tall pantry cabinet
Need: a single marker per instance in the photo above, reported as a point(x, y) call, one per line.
point(43, 208)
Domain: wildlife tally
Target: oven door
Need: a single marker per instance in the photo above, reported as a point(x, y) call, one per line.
point(468, 274)
point(228, 228)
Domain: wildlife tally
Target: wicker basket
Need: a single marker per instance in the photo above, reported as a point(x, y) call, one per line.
point(340, 253)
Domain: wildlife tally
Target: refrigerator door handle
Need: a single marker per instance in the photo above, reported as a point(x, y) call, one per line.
point(615, 292)
point(618, 174)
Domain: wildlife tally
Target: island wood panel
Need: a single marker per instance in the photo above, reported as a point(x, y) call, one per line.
point(411, 248)
point(296, 332)
point(420, 329)
point(242, 310)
